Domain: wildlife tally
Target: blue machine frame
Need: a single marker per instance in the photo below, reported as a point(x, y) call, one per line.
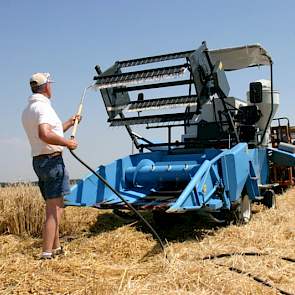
point(179, 178)
point(210, 178)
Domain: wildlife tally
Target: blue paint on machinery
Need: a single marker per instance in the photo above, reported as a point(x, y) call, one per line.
point(211, 178)
point(222, 162)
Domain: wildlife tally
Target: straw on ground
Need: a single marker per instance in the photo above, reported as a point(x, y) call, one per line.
point(108, 256)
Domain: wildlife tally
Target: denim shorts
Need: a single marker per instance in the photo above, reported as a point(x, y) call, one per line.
point(52, 175)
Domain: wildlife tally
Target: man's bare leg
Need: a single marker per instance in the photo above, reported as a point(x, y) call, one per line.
point(60, 209)
point(51, 223)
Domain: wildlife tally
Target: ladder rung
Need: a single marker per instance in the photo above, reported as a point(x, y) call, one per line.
point(156, 103)
point(124, 79)
point(152, 119)
point(152, 59)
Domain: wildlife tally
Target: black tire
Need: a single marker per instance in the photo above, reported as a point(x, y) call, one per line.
point(269, 199)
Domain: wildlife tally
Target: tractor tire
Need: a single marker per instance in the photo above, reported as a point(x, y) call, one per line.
point(269, 199)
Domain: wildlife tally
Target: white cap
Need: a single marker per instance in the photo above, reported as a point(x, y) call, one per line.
point(40, 79)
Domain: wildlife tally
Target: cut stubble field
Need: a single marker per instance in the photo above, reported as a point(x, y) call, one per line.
point(106, 255)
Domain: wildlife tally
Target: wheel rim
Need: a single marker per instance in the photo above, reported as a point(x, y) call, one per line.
point(245, 209)
point(274, 202)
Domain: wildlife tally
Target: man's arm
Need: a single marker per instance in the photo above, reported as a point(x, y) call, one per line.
point(47, 135)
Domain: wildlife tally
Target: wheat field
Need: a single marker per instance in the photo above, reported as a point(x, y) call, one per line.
point(106, 255)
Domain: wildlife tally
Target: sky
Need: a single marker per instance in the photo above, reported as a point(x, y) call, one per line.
point(68, 38)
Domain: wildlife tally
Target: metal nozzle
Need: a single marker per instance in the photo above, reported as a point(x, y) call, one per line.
point(80, 108)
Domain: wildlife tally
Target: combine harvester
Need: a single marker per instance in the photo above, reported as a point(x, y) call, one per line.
point(221, 162)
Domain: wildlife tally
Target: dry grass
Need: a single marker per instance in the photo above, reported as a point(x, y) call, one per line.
point(107, 256)
point(22, 213)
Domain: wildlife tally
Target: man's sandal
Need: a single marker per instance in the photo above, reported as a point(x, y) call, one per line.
point(58, 251)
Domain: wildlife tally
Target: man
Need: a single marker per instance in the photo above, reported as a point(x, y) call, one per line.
point(45, 133)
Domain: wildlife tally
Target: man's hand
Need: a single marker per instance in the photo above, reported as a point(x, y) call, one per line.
point(70, 123)
point(73, 119)
point(72, 144)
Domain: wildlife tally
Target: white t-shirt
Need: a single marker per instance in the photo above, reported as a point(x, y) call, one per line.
point(40, 111)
